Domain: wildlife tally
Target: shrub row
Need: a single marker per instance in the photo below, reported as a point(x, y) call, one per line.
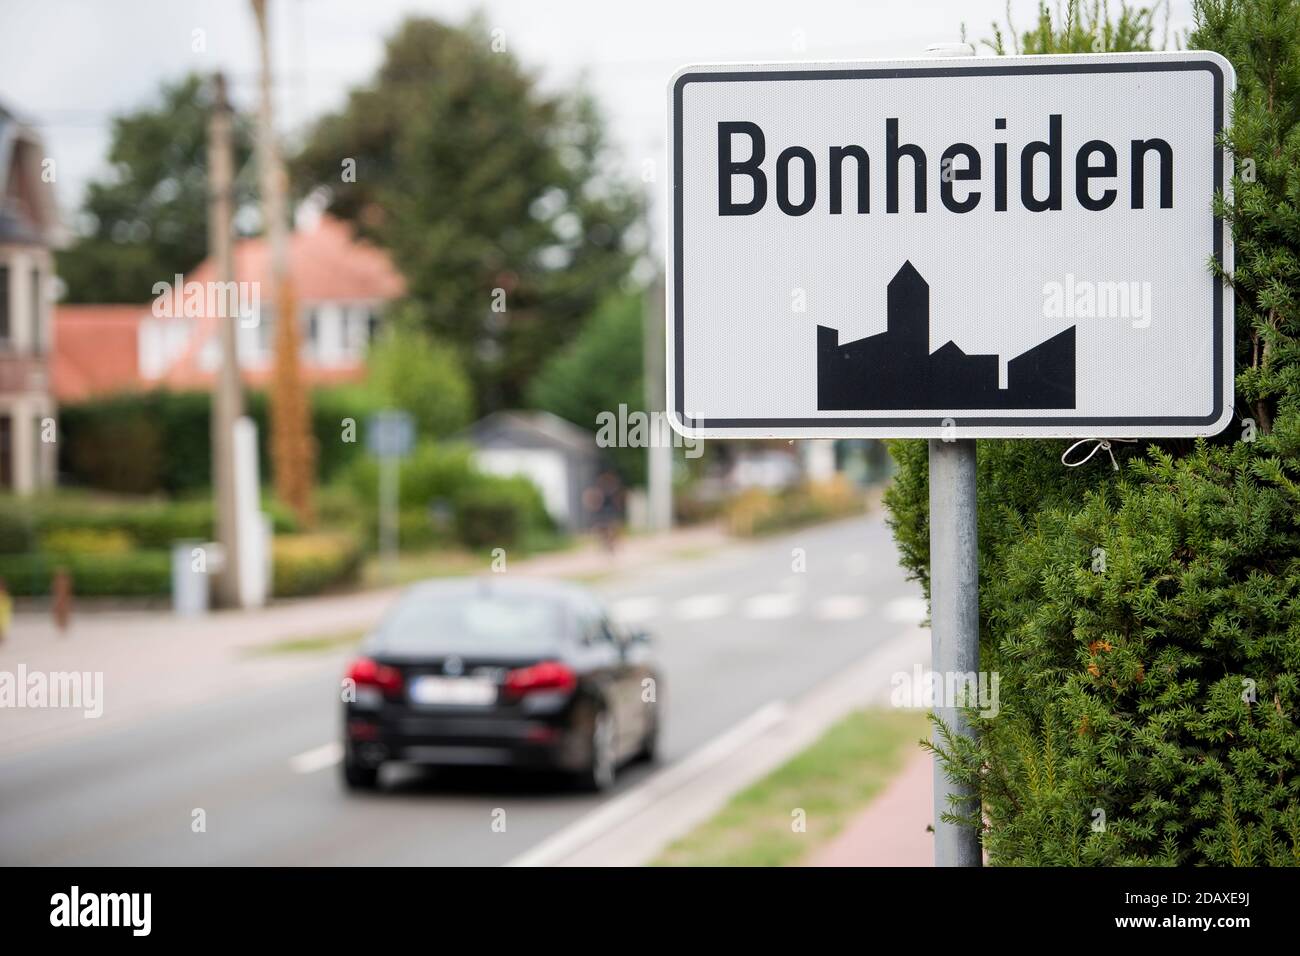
point(159, 441)
point(311, 563)
point(303, 564)
point(757, 511)
point(482, 510)
point(68, 524)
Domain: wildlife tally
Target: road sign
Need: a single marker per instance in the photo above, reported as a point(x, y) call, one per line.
point(390, 434)
point(994, 247)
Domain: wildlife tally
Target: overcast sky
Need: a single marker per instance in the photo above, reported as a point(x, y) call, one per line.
point(68, 66)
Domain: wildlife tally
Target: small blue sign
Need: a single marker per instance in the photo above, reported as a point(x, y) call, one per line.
point(390, 434)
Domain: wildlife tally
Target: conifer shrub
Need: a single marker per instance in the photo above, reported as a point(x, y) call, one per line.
point(1145, 622)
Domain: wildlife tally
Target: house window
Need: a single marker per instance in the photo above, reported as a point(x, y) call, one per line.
point(38, 346)
point(266, 332)
point(6, 452)
point(4, 306)
point(311, 347)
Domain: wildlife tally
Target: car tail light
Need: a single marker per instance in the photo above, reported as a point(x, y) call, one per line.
point(548, 675)
point(367, 673)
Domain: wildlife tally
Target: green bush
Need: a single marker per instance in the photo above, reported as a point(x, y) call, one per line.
point(303, 564)
point(431, 472)
point(1145, 624)
point(411, 370)
point(85, 541)
point(160, 441)
point(311, 563)
point(25, 523)
point(486, 510)
point(133, 574)
point(757, 511)
point(600, 369)
point(499, 512)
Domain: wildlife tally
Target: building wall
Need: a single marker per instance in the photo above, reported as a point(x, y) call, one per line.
point(24, 367)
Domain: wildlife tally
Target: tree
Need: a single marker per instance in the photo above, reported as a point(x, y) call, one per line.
point(147, 221)
point(599, 370)
point(1082, 28)
point(410, 370)
point(1145, 624)
point(495, 198)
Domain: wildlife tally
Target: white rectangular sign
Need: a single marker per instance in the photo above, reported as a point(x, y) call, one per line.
point(977, 247)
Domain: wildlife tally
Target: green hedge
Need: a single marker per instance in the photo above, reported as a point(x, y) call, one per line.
point(1145, 622)
point(303, 564)
point(159, 441)
point(134, 574)
point(25, 522)
point(486, 510)
point(311, 563)
point(498, 512)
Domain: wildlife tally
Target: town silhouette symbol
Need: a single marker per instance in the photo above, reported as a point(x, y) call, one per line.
point(896, 369)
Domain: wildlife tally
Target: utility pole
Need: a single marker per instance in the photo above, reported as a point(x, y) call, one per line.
point(659, 453)
point(293, 450)
point(227, 396)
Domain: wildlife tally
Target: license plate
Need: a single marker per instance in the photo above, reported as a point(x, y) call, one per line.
point(453, 690)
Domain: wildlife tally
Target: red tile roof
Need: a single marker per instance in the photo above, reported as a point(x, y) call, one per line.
point(327, 264)
point(96, 350)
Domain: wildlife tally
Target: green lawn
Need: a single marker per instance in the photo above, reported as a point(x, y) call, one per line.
point(308, 645)
point(830, 782)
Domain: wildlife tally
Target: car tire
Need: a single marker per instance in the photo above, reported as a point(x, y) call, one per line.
point(358, 776)
point(602, 765)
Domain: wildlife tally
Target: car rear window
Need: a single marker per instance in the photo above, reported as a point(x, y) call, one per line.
point(479, 623)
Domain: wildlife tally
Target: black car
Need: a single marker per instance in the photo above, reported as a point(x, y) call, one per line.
point(500, 672)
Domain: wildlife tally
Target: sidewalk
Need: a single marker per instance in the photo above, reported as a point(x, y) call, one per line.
point(152, 660)
point(891, 830)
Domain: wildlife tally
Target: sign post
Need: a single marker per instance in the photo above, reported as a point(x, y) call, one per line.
point(950, 249)
point(954, 607)
point(389, 437)
point(954, 624)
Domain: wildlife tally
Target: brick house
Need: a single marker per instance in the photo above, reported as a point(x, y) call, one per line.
point(28, 221)
point(343, 285)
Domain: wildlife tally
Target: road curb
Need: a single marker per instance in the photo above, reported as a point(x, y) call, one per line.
point(633, 828)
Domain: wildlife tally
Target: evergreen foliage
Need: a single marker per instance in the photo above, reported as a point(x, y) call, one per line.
point(1146, 622)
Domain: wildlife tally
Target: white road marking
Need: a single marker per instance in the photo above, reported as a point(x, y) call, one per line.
point(627, 805)
point(908, 610)
point(318, 758)
point(841, 607)
point(702, 607)
point(634, 610)
point(769, 607)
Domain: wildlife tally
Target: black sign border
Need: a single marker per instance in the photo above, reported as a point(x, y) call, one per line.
point(1024, 69)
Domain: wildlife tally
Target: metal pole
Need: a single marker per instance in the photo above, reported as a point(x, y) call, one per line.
point(954, 625)
point(954, 604)
point(659, 453)
point(389, 474)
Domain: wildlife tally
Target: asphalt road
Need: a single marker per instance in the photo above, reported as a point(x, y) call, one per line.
point(734, 631)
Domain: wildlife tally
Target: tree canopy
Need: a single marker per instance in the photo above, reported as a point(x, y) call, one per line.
point(495, 197)
point(148, 219)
